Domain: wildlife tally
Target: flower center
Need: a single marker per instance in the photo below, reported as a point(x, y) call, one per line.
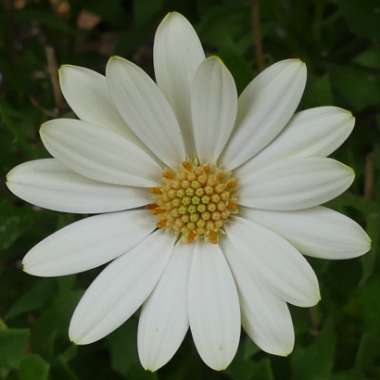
point(195, 201)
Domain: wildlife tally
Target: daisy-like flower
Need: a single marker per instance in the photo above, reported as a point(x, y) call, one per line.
point(206, 199)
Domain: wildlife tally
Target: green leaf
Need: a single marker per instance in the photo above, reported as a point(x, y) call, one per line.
point(263, 370)
point(33, 367)
point(123, 347)
point(248, 348)
point(318, 92)
point(248, 369)
point(349, 375)
point(368, 351)
point(13, 224)
point(146, 10)
point(358, 203)
point(244, 368)
point(315, 362)
point(240, 69)
point(225, 25)
point(63, 371)
point(369, 58)
point(136, 372)
point(240, 368)
point(54, 322)
point(33, 299)
point(362, 16)
point(356, 87)
point(370, 305)
point(13, 346)
point(368, 261)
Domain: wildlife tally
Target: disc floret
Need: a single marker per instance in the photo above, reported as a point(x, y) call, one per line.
point(195, 201)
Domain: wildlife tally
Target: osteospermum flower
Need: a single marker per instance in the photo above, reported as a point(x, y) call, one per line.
point(207, 199)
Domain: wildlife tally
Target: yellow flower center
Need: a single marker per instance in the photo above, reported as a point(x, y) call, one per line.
point(195, 201)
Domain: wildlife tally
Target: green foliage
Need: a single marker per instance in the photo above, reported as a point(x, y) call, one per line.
point(315, 362)
point(33, 367)
point(338, 39)
point(13, 345)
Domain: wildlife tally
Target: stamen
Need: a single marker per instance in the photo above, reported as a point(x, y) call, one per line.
point(157, 210)
point(231, 183)
point(155, 190)
point(212, 237)
point(162, 223)
point(168, 173)
point(231, 205)
point(151, 206)
point(187, 165)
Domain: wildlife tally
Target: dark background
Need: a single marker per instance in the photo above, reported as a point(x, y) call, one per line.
point(339, 40)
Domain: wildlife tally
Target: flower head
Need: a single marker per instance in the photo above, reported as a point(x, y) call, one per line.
point(206, 199)
point(195, 202)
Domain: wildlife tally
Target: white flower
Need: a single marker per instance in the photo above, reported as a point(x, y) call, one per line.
point(232, 188)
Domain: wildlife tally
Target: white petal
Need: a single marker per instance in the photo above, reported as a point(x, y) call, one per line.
point(47, 183)
point(164, 319)
point(99, 154)
point(213, 107)
point(265, 317)
point(265, 107)
point(318, 232)
point(146, 110)
point(274, 262)
point(313, 132)
point(177, 53)
point(294, 184)
point(87, 94)
point(88, 243)
point(120, 289)
point(214, 310)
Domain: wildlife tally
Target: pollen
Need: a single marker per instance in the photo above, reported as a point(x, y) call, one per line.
point(195, 202)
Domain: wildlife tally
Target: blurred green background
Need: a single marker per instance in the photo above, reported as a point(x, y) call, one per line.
point(340, 42)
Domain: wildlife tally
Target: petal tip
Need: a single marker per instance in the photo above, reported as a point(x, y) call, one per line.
point(67, 69)
point(150, 365)
point(172, 14)
point(9, 175)
point(350, 172)
point(316, 299)
point(215, 58)
point(29, 266)
point(25, 268)
point(77, 342)
point(287, 352)
point(300, 68)
point(283, 350)
point(150, 369)
point(349, 114)
point(348, 119)
point(116, 59)
point(312, 299)
point(296, 61)
point(367, 243)
point(75, 338)
point(43, 129)
point(218, 61)
point(61, 69)
point(73, 341)
point(220, 368)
